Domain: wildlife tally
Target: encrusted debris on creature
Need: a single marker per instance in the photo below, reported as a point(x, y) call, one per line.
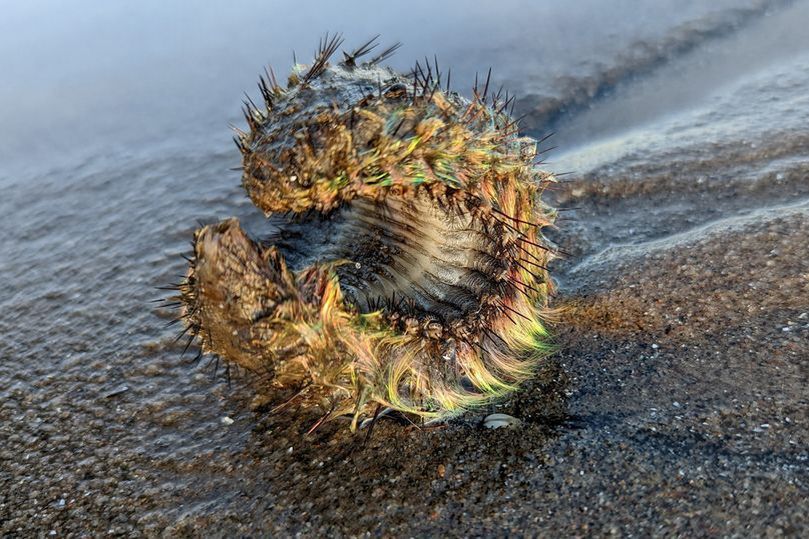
point(410, 272)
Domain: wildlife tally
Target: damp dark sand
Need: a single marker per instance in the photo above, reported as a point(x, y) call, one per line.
point(676, 405)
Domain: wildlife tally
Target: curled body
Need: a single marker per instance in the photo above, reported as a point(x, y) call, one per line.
point(410, 270)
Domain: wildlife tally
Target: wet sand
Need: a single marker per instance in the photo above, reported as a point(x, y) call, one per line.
point(677, 404)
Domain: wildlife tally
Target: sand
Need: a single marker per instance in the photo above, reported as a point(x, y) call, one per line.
point(677, 404)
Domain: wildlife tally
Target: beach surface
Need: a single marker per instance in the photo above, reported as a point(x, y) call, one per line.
point(677, 403)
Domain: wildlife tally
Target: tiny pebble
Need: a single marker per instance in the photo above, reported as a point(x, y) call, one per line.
point(117, 391)
point(496, 421)
point(227, 420)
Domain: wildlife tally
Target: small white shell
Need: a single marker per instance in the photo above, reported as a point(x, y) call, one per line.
point(496, 421)
point(117, 391)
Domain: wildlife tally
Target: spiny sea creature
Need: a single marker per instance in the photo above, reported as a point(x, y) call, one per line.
point(409, 272)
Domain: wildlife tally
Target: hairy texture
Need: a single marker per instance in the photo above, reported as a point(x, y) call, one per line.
point(410, 272)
